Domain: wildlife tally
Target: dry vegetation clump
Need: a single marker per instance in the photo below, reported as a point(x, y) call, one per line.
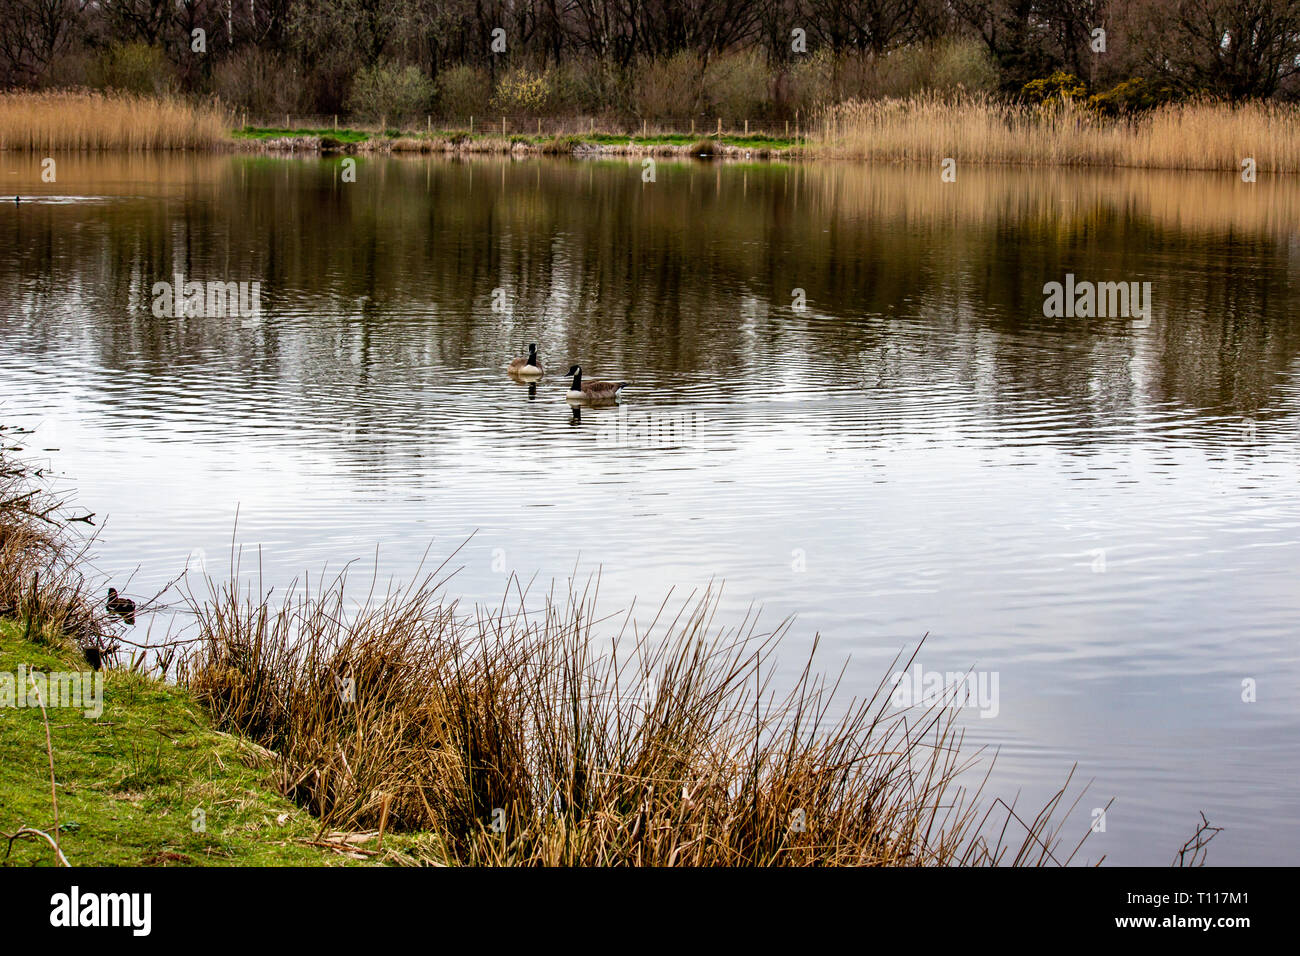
point(530, 738)
point(40, 581)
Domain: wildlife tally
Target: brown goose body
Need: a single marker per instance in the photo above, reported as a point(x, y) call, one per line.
point(581, 391)
point(530, 367)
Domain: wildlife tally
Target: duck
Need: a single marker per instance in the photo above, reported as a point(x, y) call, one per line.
point(592, 391)
point(530, 367)
point(122, 607)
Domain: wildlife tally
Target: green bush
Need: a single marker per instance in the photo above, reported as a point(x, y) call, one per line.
point(963, 65)
point(736, 86)
point(392, 91)
point(133, 68)
point(1132, 96)
point(581, 87)
point(949, 66)
point(463, 91)
point(667, 88)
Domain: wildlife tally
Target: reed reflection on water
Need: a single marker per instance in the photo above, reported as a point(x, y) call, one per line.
point(1103, 514)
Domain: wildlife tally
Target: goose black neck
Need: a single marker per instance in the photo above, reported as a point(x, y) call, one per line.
point(577, 380)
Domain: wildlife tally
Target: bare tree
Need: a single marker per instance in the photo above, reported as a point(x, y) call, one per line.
point(34, 32)
point(864, 25)
point(1237, 48)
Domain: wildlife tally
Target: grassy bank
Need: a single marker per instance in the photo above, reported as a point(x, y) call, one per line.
point(977, 130)
point(753, 145)
point(148, 783)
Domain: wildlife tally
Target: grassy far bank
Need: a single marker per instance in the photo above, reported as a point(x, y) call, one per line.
point(262, 133)
point(458, 140)
point(975, 130)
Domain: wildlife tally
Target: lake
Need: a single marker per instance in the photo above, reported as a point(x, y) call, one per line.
point(846, 403)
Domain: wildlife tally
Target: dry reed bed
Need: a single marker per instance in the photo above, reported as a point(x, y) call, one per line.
point(981, 130)
point(523, 738)
point(78, 120)
point(41, 583)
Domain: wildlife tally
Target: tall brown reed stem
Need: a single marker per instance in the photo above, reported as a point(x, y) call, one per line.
point(526, 735)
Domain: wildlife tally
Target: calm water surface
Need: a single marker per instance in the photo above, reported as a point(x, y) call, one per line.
point(1103, 513)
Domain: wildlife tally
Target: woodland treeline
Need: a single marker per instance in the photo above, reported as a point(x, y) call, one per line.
point(644, 58)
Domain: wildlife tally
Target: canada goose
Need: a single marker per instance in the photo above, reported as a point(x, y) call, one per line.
point(530, 367)
point(592, 391)
point(122, 607)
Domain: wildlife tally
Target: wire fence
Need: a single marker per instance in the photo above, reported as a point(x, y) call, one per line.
point(524, 124)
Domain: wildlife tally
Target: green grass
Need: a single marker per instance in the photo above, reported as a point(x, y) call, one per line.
point(129, 781)
point(272, 132)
